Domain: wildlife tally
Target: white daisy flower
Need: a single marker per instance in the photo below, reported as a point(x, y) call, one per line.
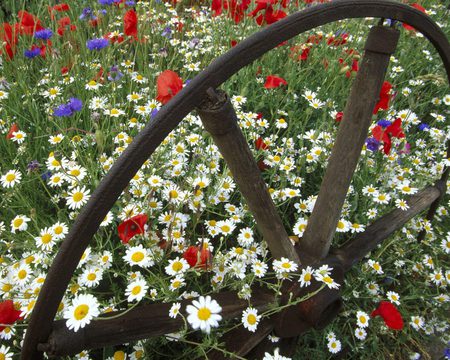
point(360, 334)
point(334, 346)
point(284, 265)
point(417, 322)
point(343, 225)
point(177, 266)
point(11, 178)
point(375, 265)
point(174, 310)
point(56, 139)
point(5, 353)
point(60, 230)
point(393, 297)
point(177, 283)
point(276, 354)
point(46, 239)
point(362, 319)
point(306, 276)
point(204, 314)
point(77, 197)
point(57, 179)
point(137, 255)
point(19, 223)
point(225, 227)
point(91, 277)
point(250, 319)
point(136, 290)
point(114, 112)
point(18, 136)
point(84, 307)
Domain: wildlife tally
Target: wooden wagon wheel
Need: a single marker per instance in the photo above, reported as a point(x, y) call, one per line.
point(217, 114)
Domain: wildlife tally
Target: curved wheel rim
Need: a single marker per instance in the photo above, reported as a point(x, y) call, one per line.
point(143, 146)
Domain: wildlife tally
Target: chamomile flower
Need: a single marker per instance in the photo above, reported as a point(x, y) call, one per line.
point(393, 297)
point(417, 322)
point(55, 139)
point(177, 266)
point(5, 353)
point(225, 227)
point(334, 346)
point(136, 290)
point(83, 309)
point(91, 277)
point(22, 274)
point(137, 255)
point(362, 319)
point(60, 230)
point(11, 178)
point(306, 276)
point(177, 283)
point(18, 136)
point(19, 223)
point(375, 265)
point(284, 265)
point(360, 334)
point(204, 314)
point(174, 310)
point(114, 112)
point(343, 225)
point(56, 180)
point(77, 197)
point(250, 319)
point(401, 204)
point(46, 239)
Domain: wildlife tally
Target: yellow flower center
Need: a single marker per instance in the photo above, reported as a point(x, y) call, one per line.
point(307, 277)
point(177, 266)
point(78, 196)
point(136, 290)
point(114, 111)
point(251, 319)
point(81, 311)
point(75, 172)
point(91, 277)
point(10, 177)
point(137, 256)
point(204, 313)
point(6, 287)
point(22, 274)
point(225, 228)
point(17, 222)
point(362, 319)
point(119, 355)
point(46, 238)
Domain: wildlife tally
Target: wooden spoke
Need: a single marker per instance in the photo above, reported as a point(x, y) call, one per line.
point(352, 133)
point(220, 120)
point(140, 323)
point(363, 243)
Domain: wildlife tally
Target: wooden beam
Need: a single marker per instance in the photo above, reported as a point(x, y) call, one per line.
point(220, 120)
point(363, 243)
point(142, 322)
point(351, 136)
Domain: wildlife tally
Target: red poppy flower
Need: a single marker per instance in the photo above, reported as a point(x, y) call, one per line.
point(391, 316)
point(14, 128)
point(418, 7)
point(339, 116)
point(131, 227)
point(65, 24)
point(8, 314)
point(9, 38)
point(196, 258)
point(273, 81)
point(57, 8)
point(130, 21)
point(28, 23)
point(385, 134)
point(260, 144)
point(385, 97)
point(168, 85)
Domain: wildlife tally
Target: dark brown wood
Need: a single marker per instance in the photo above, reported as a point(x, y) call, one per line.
point(141, 323)
point(350, 139)
point(286, 347)
point(112, 185)
point(435, 205)
point(240, 341)
point(219, 118)
point(356, 249)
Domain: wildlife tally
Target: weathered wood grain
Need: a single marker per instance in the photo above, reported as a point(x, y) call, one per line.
point(350, 139)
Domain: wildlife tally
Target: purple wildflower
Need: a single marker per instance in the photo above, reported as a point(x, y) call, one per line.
point(32, 53)
point(372, 144)
point(33, 166)
point(154, 113)
point(86, 13)
point(114, 73)
point(384, 123)
point(105, 2)
point(75, 104)
point(130, 3)
point(46, 175)
point(63, 110)
point(97, 44)
point(43, 34)
point(167, 32)
point(424, 126)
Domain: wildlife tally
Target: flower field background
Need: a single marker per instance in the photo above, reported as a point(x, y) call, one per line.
point(78, 80)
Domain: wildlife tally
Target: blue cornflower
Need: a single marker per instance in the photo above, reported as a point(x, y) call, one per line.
point(372, 144)
point(32, 53)
point(47, 175)
point(130, 3)
point(43, 34)
point(63, 110)
point(154, 113)
point(33, 165)
point(447, 353)
point(167, 32)
point(97, 44)
point(384, 123)
point(424, 126)
point(105, 2)
point(114, 73)
point(75, 104)
point(87, 12)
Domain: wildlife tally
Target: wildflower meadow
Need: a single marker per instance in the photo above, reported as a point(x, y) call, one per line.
point(80, 79)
